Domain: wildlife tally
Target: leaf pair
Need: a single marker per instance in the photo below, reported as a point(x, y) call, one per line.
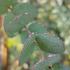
point(47, 43)
point(21, 15)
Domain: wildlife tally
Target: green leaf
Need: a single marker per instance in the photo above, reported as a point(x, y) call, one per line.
point(49, 43)
point(29, 11)
point(4, 5)
point(13, 24)
point(37, 28)
point(10, 24)
point(27, 50)
point(49, 62)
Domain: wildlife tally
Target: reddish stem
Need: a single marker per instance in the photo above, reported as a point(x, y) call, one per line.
point(1, 20)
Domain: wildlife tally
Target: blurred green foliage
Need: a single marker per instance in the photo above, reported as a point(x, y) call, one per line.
point(44, 29)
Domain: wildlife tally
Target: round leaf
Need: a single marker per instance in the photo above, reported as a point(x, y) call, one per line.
point(37, 28)
point(27, 10)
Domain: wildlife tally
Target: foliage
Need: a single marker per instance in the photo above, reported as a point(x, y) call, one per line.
point(37, 34)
